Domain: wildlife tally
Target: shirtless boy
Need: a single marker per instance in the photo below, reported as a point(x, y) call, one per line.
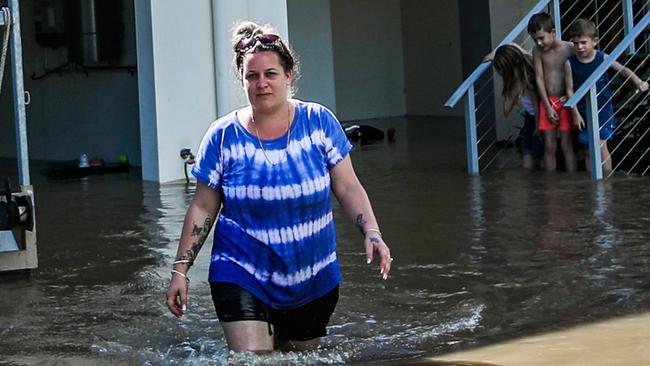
point(549, 56)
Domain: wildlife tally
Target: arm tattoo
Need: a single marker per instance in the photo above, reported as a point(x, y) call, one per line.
point(375, 240)
point(201, 233)
point(360, 222)
point(197, 230)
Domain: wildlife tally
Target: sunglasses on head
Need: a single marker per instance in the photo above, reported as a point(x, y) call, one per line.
point(264, 39)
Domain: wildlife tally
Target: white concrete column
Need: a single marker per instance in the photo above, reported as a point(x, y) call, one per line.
point(227, 13)
point(176, 82)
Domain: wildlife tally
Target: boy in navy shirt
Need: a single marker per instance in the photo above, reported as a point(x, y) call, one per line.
point(578, 68)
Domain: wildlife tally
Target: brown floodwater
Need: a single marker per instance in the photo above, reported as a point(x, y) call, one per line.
point(478, 260)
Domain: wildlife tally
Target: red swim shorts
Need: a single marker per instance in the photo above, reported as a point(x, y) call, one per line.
point(565, 123)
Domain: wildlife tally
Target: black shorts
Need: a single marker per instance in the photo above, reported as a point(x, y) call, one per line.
point(309, 321)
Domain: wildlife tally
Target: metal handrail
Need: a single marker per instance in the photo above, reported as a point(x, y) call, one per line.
point(478, 72)
point(600, 70)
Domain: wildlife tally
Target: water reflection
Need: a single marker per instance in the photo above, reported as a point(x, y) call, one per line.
point(478, 259)
point(559, 233)
point(477, 215)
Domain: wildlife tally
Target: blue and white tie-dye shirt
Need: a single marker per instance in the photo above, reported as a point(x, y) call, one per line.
point(275, 234)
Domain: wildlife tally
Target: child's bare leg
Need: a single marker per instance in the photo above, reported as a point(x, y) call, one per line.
point(550, 148)
point(607, 159)
point(528, 161)
point(567, 150)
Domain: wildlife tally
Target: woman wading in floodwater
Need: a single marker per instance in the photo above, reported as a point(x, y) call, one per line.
point(270, 168)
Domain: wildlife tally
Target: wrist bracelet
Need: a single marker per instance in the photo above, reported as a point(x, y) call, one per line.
point(374, 229)
point(182, 261)
point(181, 274)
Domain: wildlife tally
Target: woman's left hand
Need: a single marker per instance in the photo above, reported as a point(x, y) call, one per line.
point(375, 244)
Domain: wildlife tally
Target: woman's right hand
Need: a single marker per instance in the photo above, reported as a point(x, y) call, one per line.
point(177, 295)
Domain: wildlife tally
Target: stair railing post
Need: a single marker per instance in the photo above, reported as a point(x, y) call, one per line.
point(646, 9)
point(593, 128)
point(628, 22)
point(557, 17)
point(470, 132)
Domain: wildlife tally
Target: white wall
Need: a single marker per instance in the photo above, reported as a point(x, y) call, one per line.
point(310, 31)
point(432, 63)
point(73, 113)
point(368, 61)
point(177, 101)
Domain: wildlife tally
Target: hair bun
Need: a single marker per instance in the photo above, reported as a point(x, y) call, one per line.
point(244, 30)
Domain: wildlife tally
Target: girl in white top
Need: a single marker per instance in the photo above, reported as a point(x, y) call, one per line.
point(515, 65)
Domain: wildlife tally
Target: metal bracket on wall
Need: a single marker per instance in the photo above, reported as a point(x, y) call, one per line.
point(74, 67)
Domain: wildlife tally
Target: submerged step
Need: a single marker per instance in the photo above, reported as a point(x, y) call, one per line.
point(619, 341)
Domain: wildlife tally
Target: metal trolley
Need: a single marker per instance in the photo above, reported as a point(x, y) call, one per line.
point(17, 220)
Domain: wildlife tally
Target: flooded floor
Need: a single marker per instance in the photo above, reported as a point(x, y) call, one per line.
point(478, 261)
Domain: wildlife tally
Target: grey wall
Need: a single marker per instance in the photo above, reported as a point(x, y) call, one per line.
point(74, 113)
point(368, 60)
point(395, 58)
point(310, 35)
point(504, 15)
point(475, 33)
point(432, 55)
